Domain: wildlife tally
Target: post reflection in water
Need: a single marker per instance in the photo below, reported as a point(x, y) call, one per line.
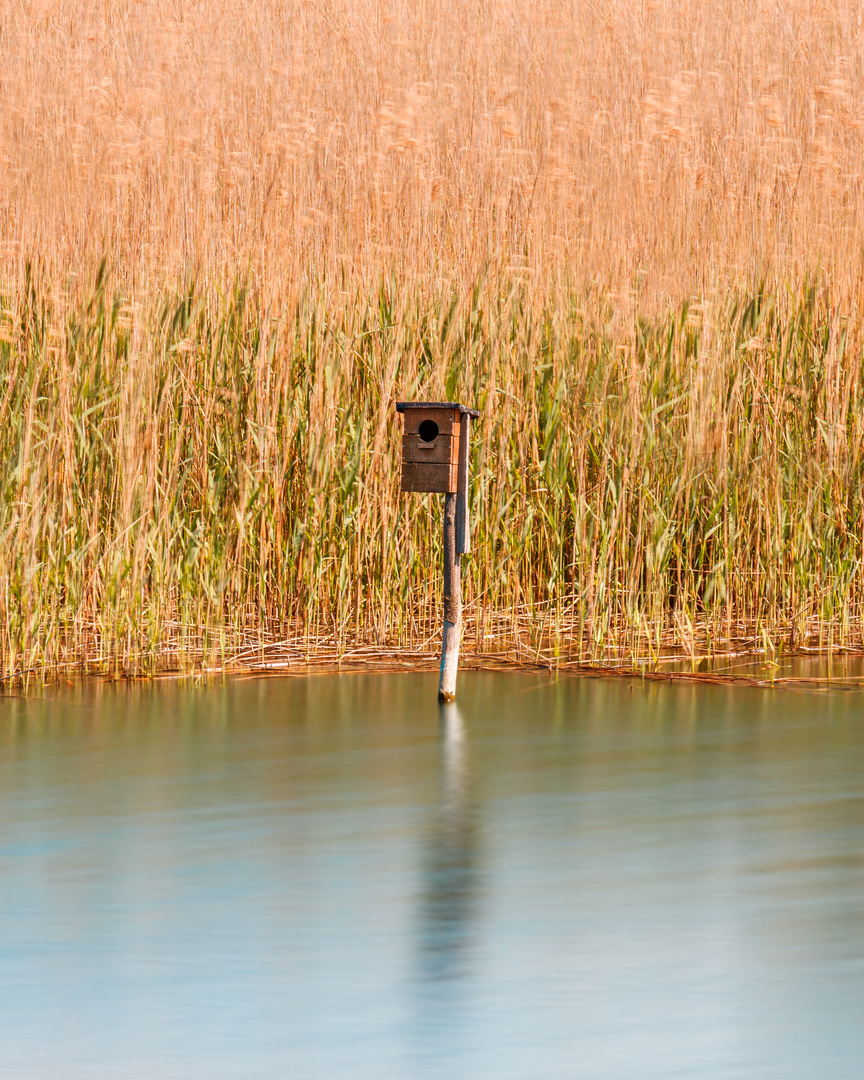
point(450, 885)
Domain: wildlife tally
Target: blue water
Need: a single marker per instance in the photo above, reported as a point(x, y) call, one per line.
point(331, 877)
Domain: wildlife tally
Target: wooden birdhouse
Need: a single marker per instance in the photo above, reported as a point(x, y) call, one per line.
point(435, 458)
point(430, 444)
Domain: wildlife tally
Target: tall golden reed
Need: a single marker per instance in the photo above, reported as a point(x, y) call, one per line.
point(665, 148)
point(233, 233)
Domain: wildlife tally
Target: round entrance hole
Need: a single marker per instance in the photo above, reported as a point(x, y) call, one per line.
point(428, 431)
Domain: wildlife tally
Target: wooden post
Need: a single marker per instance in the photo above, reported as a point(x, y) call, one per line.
point(452, 604)
point(457, 541)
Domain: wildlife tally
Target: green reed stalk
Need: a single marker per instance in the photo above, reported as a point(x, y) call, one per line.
point(207, 478)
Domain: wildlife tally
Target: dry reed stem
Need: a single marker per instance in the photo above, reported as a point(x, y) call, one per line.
point(665, 150)
point(231, 235)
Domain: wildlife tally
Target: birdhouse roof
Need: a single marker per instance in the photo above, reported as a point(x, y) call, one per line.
point(401, 406)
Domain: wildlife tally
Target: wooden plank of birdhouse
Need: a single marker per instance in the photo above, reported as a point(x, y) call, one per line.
point(418, 476)
point(446, 419)
point(443, 450)
point(463, 524)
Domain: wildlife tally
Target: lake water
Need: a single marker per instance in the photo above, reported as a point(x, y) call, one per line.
point(332, 878)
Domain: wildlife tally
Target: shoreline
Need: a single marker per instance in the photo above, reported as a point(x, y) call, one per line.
point(788, 671)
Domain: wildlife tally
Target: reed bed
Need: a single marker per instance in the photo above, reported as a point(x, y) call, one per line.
point(203, 481)
point(232, 235)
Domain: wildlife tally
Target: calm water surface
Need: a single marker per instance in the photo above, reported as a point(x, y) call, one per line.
point(329, 877)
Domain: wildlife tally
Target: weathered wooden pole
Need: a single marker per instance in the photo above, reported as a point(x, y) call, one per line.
point(435, 455)
point(452, 604)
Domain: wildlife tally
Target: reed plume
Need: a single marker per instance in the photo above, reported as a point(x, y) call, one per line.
point(233, 234)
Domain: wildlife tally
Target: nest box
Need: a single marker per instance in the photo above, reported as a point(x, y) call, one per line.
point(431, 443)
